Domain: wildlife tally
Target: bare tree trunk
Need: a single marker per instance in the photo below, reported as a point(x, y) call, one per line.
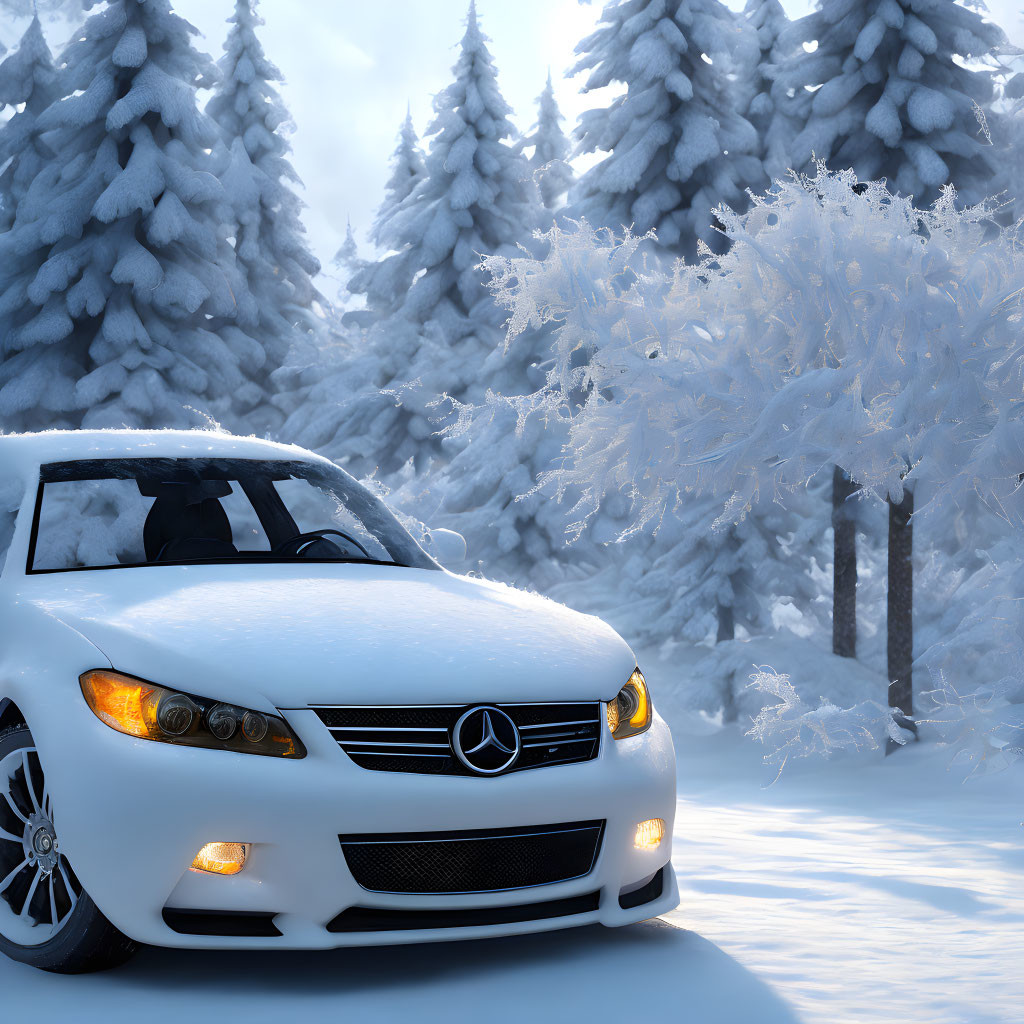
point(727, 631)
point(900, 626)
point(726, 624)
point(844, 566)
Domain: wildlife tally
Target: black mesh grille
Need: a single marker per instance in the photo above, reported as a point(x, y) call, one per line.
point(477, 861)
point(418, 739)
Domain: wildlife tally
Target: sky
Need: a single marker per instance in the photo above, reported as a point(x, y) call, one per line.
point(352, 66)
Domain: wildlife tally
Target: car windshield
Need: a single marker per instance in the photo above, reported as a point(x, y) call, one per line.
point(121, 513)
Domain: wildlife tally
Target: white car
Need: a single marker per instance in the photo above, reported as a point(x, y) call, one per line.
point(241, 707)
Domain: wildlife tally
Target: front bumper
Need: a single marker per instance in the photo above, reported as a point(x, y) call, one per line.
point(132, 814)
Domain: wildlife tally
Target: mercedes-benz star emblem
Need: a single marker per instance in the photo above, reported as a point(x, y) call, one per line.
point(486, 740)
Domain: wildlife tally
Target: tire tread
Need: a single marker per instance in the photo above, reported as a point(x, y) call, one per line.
point(88, 943)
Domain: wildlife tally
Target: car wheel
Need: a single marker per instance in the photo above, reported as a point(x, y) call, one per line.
point(47, 919)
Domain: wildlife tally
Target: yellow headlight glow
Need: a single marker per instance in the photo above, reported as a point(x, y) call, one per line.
point(122, 702)
point(221, 858)
point(148, 711)
point(630, 712)
point(649, 834)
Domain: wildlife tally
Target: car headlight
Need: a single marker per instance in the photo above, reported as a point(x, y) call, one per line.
point(630, 713)
point(150, 712)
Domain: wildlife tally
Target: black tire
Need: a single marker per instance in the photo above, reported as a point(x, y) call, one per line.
point(85, 940)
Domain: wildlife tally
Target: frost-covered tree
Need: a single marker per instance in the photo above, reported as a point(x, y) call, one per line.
point(677, 146)
point(432, 321)
point(485, 489)
point(844, 327)
point(549, 160)
point(270, 240)
point(28, 82)
point(120, 300)
point(774, 128)
point(701, 577)
point(977, 706)
point(890, 91)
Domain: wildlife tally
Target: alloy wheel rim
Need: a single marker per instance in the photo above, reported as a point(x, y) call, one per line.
point(38, 889)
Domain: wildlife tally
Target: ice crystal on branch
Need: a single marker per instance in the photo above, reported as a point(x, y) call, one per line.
point(792, 728)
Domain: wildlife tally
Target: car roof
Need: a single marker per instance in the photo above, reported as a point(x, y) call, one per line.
point(21, 454)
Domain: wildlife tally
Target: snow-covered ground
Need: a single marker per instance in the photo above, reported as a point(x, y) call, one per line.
point(882, 891)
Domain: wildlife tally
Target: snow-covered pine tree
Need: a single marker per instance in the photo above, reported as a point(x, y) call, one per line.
point(270, 240)
point(407, 170)
point(896, 100)
point(120, 300)
point(432, 322)
point(347, 262)
point(347, 257)
point(28, 82)
point(677, 147)
point(381, 286)
point(774, 128)
point(549, 160)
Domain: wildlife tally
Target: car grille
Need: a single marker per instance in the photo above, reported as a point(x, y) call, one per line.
point(487, 860)
point(418, 739)
point(381, 919)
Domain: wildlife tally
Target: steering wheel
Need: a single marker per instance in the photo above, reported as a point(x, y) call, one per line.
point(300, 542)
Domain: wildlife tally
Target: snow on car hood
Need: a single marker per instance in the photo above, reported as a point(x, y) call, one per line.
point(361, 634)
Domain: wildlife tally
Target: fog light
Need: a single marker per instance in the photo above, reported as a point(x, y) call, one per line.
point(649, 834)
point(221, 858)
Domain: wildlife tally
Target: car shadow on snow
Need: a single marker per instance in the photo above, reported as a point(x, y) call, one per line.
point(589, 973)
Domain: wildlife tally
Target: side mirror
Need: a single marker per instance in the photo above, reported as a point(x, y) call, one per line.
point(447, 546)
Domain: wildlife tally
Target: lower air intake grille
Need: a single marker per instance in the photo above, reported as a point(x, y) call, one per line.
point(232, 923)
point(418, 739)
point(487, 860)
point(377, 919)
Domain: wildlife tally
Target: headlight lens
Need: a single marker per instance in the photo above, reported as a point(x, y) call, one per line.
point(630, 713)
point(150, 712)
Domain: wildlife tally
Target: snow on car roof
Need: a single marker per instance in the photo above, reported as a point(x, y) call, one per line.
point(22, 453)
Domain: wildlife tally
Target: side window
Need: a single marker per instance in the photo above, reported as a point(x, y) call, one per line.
point(10, 498)
point(90, 522)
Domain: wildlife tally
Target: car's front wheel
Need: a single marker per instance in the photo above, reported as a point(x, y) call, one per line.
point(47, 919)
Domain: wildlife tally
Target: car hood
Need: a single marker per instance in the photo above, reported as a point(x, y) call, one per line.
point(351, 633)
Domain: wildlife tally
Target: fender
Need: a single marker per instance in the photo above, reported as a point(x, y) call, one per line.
point(18, 700)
